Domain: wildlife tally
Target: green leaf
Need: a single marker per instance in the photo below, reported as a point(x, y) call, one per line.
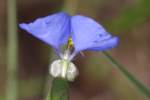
point(59, 90)
point(136, 83)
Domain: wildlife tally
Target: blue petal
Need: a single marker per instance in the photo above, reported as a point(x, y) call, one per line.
point(106, 44)
point(53, 30)
point(89, 35)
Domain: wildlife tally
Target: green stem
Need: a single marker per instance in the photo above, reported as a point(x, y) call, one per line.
point(140, 86)
point(12, 50)
point(59, 90)
point(48, 96)
point(70, 6)
point(47, 90)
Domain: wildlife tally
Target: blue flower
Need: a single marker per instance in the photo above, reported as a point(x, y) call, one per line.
point(56, 29)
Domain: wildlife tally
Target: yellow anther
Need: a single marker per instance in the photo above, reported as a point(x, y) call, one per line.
point(70, 42)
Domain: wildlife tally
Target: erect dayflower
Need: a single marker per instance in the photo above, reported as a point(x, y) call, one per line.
point(78, 32)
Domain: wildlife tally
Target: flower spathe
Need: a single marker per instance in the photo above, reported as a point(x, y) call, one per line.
point(86, 34)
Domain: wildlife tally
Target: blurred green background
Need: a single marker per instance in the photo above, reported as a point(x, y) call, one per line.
point(98, 79)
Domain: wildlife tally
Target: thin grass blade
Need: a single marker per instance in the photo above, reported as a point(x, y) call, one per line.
point(136, 83)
